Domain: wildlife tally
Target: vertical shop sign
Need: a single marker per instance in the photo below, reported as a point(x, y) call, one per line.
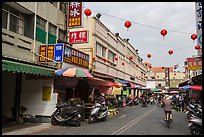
point(50, 53)
point(67, 54)
point(46, 94)
point(78, 36)
point(74, 14)
point(58, 52)
point(198, 8)
point(167, 78)
point(43, 53)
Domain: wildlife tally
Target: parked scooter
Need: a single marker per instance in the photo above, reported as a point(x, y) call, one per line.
point(194, 110)
point(144, 102)
point(68, 118)
point(98, 113)
point(195, 125)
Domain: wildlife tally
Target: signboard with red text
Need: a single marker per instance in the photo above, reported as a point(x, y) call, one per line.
point(194, 63)
point(74, 14)
point(78, 36)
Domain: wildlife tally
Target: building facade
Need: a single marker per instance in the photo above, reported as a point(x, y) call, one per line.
point(110, 55)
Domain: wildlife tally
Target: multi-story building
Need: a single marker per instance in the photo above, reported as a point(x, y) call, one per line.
point(111, 55)
point(157, 78)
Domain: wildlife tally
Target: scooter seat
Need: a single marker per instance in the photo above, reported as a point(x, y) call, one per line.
point(103, 109)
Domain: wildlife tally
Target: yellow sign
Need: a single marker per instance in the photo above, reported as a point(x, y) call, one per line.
point(116, 91)
point(46, 94)
point(195, 68)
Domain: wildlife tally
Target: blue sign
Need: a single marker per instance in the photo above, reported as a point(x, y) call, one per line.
point(58, 52)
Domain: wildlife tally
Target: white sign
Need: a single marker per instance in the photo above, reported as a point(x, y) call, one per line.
point(198, 8)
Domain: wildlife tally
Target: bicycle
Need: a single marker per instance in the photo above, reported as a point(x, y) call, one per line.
point(159, 104)
point(168, 121)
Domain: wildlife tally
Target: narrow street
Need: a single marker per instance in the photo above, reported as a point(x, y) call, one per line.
point(135, 120)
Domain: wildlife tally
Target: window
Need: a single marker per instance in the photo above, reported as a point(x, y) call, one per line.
point(159, 85)
point(41, 23)
point(40, 30)
point(16, 22)
point(103, 51)
point(62, 35)
point(4, 15)
point(63, 7)
point(52, 34)
point(111, 56)
point(52, 29)
point(100, 50)
point(4, 19)
point(54, 3)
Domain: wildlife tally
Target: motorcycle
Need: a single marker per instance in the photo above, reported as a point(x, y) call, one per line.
point(98, 113)
point(152, 101)
point(144, 102)
point(67, 117)
point(195, 125)
point(194, 110)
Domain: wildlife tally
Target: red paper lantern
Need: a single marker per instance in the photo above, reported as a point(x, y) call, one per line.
point(103, 59)
point(163, 32)
point(197, 47)
point(150, 66)
point(149, 55)
point(162, 67)
point(123, 63)
point(93, 58)
point(87, 12)
point(130, 57)
point(128, 24)
point(193, 37)
point(116, 58)
point(170, 52)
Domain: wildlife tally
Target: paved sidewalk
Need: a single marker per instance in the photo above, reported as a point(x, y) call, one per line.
point(28, 130)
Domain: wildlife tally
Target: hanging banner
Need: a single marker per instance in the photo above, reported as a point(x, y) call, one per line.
point(78, 36)
point(74, 14)
point(194, 63)
point(58, 52)
point(198, 8)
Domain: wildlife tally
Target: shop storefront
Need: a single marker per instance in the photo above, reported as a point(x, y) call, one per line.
point(28, 85)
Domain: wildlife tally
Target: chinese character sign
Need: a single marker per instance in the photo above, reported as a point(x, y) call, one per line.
point(74, 14)
point(194, 63)
point(74, 56)
point(58, 52)
point(50, 53)
point(198, 8)
point(42, 52)
point(78, 36)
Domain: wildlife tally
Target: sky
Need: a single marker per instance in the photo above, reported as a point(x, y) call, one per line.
point(172, 16)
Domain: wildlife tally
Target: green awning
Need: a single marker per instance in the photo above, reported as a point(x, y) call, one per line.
point(26, 68)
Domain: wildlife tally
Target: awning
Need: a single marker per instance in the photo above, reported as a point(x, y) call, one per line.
point(26, 68)
point(196, 87)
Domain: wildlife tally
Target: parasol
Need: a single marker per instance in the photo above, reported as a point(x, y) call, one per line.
point(73, 72)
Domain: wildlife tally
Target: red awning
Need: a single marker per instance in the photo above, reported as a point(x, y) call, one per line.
point(196, 87)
